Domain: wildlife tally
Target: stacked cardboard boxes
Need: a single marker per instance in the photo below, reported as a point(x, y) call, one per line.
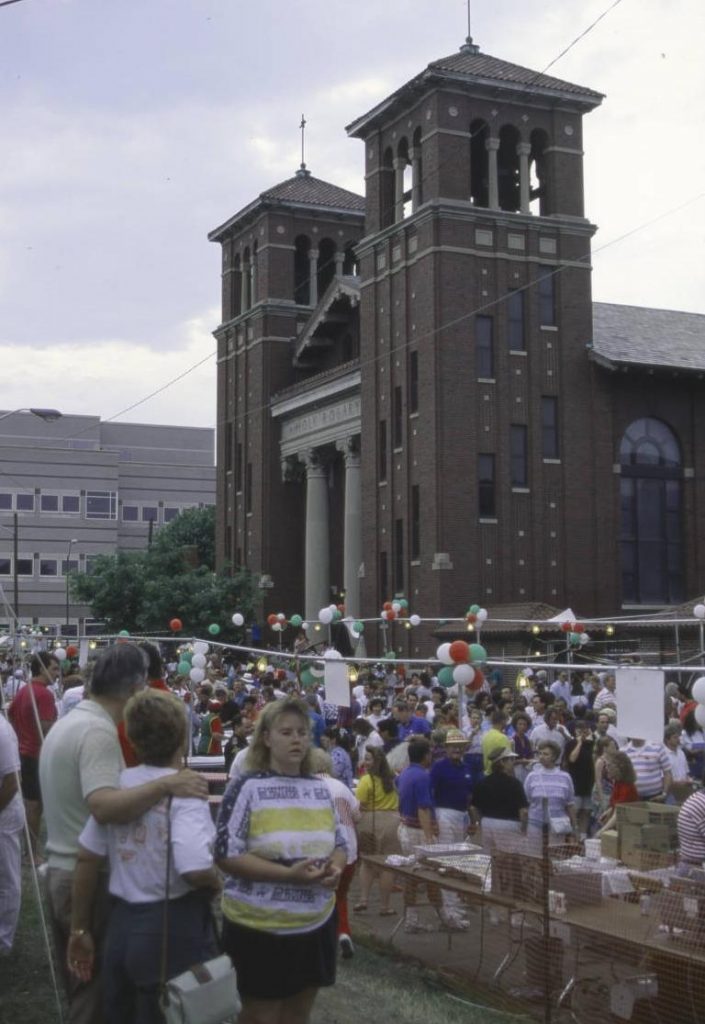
point(646, 836)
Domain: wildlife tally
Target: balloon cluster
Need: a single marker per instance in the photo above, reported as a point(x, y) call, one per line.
point(332, 613)
point(277, 621)
point(575, 634)
point(459, 660)
point(194, 662)
point(476, 614)
point(698, 693)
point(396, 609)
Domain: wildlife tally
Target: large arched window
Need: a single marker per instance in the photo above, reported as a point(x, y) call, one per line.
point(651, 514)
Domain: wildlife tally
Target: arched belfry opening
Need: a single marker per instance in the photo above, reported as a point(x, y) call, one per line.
point(479, 163)
point(508, 168)
point(538, 177)
point(302, 273)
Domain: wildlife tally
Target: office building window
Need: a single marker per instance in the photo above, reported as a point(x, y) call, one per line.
point(487, 504)
point(238, 467)
point(91, 564)
point(5, 566)
point(398, 430)
point(25, 565)
point(130, 513)
point(382, 452)
point(547, 296)
point(48, 567)
point(248, 488)
point(519, 468)
point(101, 505)
point(70, 504)
point(70, 566)
point(415, 523)
point(484, 347)
point(413, 381)
point(49, 502)
point(515, 322)
point(398, 554)
point(150, 513)
point(171, 512)
point(549, 427)
point(24, 502)
point(5, 501)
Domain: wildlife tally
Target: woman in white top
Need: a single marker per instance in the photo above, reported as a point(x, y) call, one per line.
point(137, 852)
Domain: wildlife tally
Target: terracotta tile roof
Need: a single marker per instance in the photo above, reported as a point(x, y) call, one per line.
point(314, 192)
point(638, 336)
point(483, 66)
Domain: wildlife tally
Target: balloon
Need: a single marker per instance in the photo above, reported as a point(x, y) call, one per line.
point(445, 677)
point(478, 680)
point(183, 668)
point(415, 620)
point(337, 615)
point(463, 674)
point(387, 606)
point(384, 614)
point(579, 628)
point(478, 654)
point(214, 629)
point(199, 661)
point(317, 670)
point(403, 602)
point(396, 607)
point(325, 616)
point(304, 625)
point(698, 690)
point(238, 619)
point(271, 619)
point(60, 653)
point(699, 611)
point(330, 654)
point(471, 617)
point(186, 656)
point(124, 632)
point(459, 651)
point(306, 678)
point(358, 627)
point(443, 654)
point(391, 614)
point(390, 655)
point(200, 647)
point(482, 615)
point(281, 616)
point(333, 608)
point(474, 609)
point(65, 665)
point(71, 651)
point(296, 621)
point(197, 675)
point(175, 625)
point(584, 639)
point(277, 626)
point(700, 715)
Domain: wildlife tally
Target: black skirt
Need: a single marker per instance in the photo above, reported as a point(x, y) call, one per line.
point(273, 966)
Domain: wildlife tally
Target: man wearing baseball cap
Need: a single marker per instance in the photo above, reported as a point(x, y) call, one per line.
point(499, 802)
point(451, 788)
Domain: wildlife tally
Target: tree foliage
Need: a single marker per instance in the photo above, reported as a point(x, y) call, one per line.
point(142, 591)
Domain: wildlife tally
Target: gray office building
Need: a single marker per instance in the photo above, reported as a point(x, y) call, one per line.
point(75, 487)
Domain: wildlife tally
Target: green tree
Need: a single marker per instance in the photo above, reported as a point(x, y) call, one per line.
point(175, 578)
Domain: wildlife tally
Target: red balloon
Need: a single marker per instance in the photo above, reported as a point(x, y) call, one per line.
point(478, 680)
point(471, 617)
point(459, 651)
point(271, 619)
point(175, 625)
point(566, 627)
point(387, 606)
point(391, 614)
point(579, 628)
point(71, 651)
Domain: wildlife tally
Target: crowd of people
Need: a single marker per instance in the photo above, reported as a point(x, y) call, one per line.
point(406, 763)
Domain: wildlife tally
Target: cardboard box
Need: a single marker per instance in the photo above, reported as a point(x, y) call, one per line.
point(647, 860)
point(632, 814)
point(581, 888)
point(610, 843)
point(658, 837)
point(630, 838)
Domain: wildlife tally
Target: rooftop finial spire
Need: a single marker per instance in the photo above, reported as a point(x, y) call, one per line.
point(468, 46)
point(303, 172)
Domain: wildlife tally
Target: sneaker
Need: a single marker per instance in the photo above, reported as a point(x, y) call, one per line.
point(417, 928)
point(346, 946)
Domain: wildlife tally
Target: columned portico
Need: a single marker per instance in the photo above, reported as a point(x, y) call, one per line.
point(352, 524)
point(317, 568)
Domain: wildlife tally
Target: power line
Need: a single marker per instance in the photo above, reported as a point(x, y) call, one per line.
point(581, 36)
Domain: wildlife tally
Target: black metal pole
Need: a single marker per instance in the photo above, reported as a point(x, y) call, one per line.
point(15, 581)
point(546, 879)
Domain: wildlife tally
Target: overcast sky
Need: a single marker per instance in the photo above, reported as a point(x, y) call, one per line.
point(130, 129)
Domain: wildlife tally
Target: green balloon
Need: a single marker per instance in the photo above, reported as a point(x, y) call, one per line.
point(478, 654)
point(65, 665)
point(296, 621)
point(359, 627)
point(186, 656)
point(124, 632)
point(214, 629)
point(184, 667)
point(337, 615)
point(403, 602)
point(474, 609)
point(445, 676)
point(574, 639)
point(306, 678)
point(390, 656)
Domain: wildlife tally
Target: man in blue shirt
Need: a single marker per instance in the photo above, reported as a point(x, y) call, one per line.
point(451, 789)
point(417, 824)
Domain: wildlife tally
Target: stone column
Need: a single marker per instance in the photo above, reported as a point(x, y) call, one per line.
point(492, 147)
point(313, 280)
point(399, 167)
point(339, 260)
point(352, 524)
point(317, 571)
point(523, 150)
point(415, 157)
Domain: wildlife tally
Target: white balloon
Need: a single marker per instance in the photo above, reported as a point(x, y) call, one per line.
point(304, 625)
point(331, 654)
point(699, 611)
point(443, 654)
point(698, 690)
point(325, 616)
point(59, 653)
point(238, 619)
point(317, 670)
point(700, 715)
point(396, 607)
point(198, 661)
point(415, 620)
point(197, 675)
point(281, 616)
point(383, 614)
point(482, 615)
point(463, 674)
point(277, 627)
point(584, 639)
point(200, 647)
point(333, 608)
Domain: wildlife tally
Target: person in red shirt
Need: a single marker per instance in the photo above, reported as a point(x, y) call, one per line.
point(621, 770)
point(155, 680)
point(32, 714)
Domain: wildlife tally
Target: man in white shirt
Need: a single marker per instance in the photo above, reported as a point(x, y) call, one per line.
point(551, 730)
point(607, 696)
point(11, 824)
point(561, 688)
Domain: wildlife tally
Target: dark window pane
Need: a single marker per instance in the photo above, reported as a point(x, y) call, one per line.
point(5, 567)
point(382, 451)
point(383, 577)
point(519, 472)
point(130, 513)
point(238, 467)
point(170, 513)
point(547, 296)
point(399, 554)
point(413, 382)
point(515, 315)
point(25, 503)
point(25, 566)
point(415, 522)
point(5, 502)
point(487, 507)
point(150, 513)
point(70, 566)
point(398, 422)
point(101, 505)
point(549, 427)
point(49, 502)
point(48, 567)
point(248, 487)
point(484, 349)
point(649, 442)
point(70, 503)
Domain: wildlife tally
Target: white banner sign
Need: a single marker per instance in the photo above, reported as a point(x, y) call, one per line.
point(640, 703)
point(337, 683)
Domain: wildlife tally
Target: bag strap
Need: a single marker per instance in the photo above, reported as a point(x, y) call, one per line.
point(165, 915)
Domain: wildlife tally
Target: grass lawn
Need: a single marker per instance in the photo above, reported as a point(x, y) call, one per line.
point(374, 986)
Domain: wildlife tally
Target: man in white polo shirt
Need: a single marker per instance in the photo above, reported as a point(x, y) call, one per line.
point(652, 767)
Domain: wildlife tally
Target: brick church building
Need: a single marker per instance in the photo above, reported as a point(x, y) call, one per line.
point(416, 392)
